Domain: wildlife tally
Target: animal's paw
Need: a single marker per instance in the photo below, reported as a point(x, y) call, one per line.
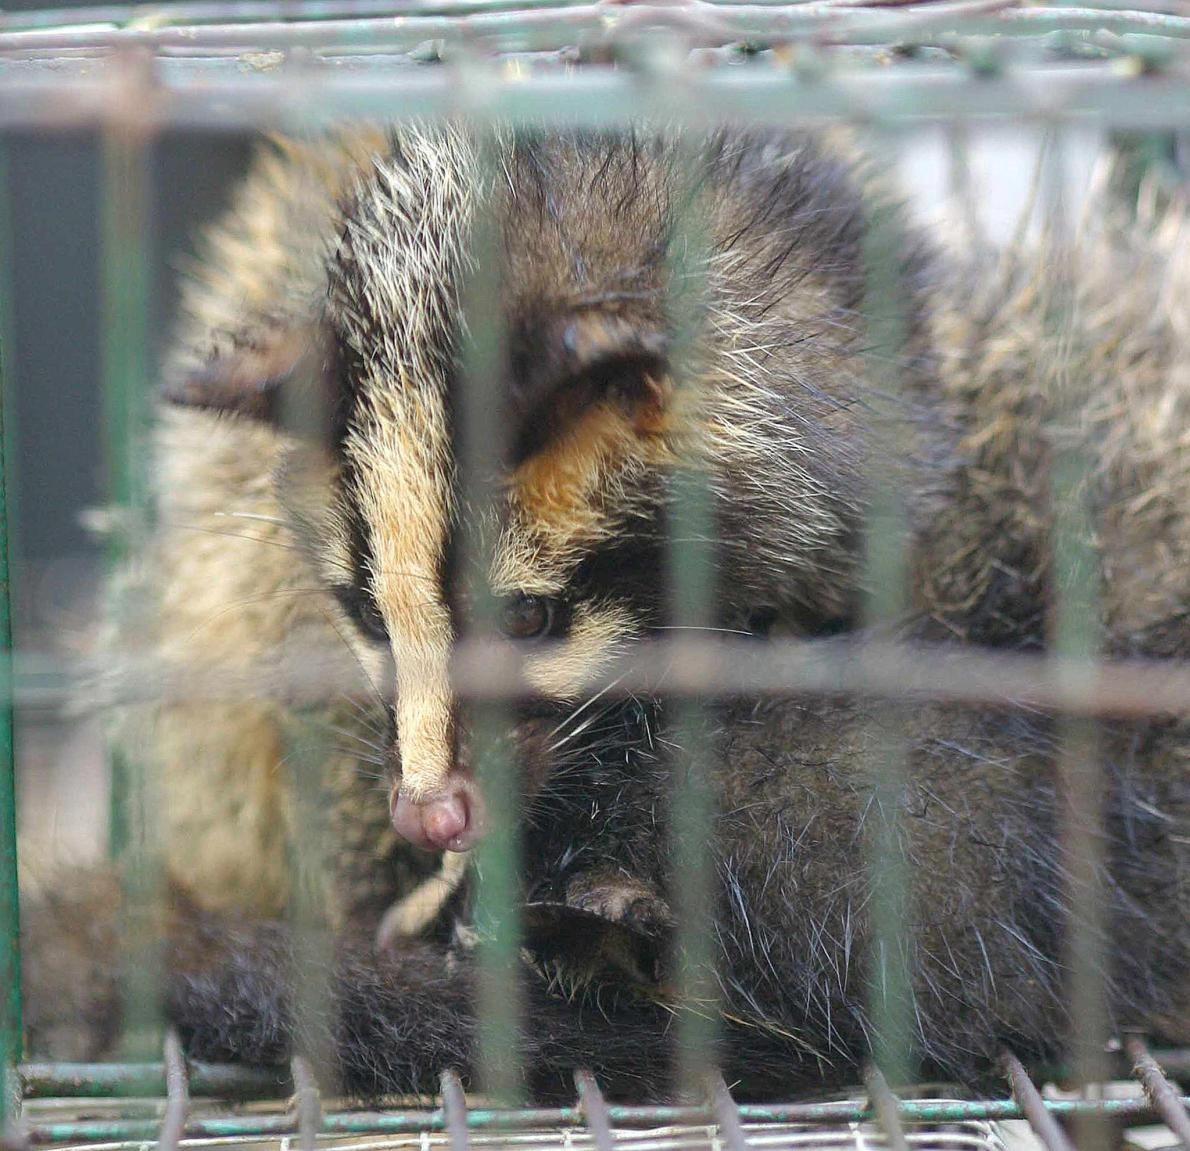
point(620, 899)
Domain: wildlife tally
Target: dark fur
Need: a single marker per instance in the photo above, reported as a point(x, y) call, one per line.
point(984, 934)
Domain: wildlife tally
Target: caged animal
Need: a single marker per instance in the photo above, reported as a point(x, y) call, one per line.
point(335, 280)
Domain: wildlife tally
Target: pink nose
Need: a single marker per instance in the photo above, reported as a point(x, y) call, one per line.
point(451, 820)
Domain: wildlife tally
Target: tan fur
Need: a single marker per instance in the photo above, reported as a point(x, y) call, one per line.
point(259, 271)
point(230, 592)
point(227, 572)
point(405, 500)
point(402, 450)
point(415, 912)
point(564, 500)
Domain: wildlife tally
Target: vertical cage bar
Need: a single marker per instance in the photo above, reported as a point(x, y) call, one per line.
point(887, 1108)
point(306, 418)
point(1076, 638)
point(177, 1091)
point(312, 956)
point(125, 351)
point(595, 1112)
point(481, 418)
point(691, 534)
point(11, 1027)
point(307, 1103)
point(135, 808)
point(1044, 1125)
point(454, 1111)
point(727, 1116)
point(886, 599)
point(126, 276)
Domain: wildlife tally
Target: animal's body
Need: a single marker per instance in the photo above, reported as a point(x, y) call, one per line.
point(340, 265)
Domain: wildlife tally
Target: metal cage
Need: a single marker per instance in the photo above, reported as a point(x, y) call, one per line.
point(129, 74)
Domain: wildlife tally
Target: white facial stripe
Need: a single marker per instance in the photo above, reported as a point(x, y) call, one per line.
point(597, 632)
point(424, 719)
point(404, 496)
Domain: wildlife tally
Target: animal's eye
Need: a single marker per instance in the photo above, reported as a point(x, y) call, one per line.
point(370, 620)
point(363, 612)
point(527, 617)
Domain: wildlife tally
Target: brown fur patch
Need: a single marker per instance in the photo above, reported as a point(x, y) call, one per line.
point(576, 491)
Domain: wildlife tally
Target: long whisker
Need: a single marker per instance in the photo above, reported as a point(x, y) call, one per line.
point(355, 737)
point(282, 544)
point(380, 776)
point(573, 734)
point(584, 705)
point(260, 597)
point(372, 685)
point(357, 760)
point(279, 520)
point(695, 627)
point(590, 728)
point(365, 714)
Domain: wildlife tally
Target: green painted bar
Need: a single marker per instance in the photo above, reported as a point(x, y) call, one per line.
point(105, 1080)
point(307, 734)
point(1076, 632)
point(134, 832)
point(691, 535)
point(233, 1081)
point(125, 230)
point(496, 916)
point(307, 753)
point(886, 598)
point(11, 1027)
point(692, 802)
point(481, 421)
point(217, 95)
point(125, 369)
point(483, 1119)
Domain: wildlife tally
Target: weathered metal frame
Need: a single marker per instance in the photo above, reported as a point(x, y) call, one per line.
point(590, 1110)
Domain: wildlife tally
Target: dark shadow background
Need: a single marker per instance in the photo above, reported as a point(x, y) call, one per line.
point(52, 366)
point(53, 363)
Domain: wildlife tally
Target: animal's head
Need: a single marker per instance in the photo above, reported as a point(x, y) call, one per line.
point(619, 363)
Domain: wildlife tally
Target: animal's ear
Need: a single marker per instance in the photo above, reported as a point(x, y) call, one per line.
point(560, 371)
point(286, 378)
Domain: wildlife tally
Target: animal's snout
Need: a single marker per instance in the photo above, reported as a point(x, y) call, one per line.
point(451, 819)
point(435, 802)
